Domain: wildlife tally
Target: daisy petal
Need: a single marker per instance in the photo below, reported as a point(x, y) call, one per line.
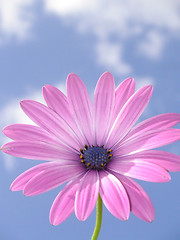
point(140, 170)
point(53, 177)
point(57, 101)
point(50, 121)
point(166, 160)
point(38, 150)
point(166, 120)
point(63, 205)
point(27, 132)
point(103, 106)
point(140, 203)
point(148, 140)
point(86, 195)
point(114, 195)
point(123, 92)
point(129, 114)
point(80, 103)
point(20, 182)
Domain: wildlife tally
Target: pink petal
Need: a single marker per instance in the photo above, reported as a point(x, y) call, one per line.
point(51, 178)
point(129, 114)
point(114, 195)
point(63, 205)
point(140, 203)
point(86, 195)
point(103, 106)
point(38, 150)
point(50, 121)
point(148, 140)
point(80, 103)
point(166, 120)
point(123, 92)
point(140, 170)
point(58, 102)
point(21, 132)
point(20, 182)
point(166, 160)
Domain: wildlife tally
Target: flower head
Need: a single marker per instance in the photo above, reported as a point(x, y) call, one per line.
point(94, 147)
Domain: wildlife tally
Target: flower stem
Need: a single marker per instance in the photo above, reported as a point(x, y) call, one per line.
point(98, 219)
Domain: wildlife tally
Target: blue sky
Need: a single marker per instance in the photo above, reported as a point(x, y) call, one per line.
point(40, 43)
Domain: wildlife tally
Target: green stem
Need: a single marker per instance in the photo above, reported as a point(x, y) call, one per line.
point(98, 219)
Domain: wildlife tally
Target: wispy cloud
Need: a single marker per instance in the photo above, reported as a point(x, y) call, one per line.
point(110, 55)
point(70, 7)
point(16, 19)
point(152, 45)
point(115, 22)
point(142, 81)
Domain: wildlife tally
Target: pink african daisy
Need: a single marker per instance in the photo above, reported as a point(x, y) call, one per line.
point(94, 147)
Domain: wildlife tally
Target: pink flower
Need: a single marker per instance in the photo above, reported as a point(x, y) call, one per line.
point(94, 147)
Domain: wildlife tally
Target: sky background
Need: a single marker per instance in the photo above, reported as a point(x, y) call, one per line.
point(41, 42)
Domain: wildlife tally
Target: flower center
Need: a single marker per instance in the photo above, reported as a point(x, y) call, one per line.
point(95, 157)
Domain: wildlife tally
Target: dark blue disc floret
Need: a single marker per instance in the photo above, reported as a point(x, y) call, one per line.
point(95, 157)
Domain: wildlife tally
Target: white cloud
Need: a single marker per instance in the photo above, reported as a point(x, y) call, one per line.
point(110, 55)
point(69, 7)
point(143, 81)
point(113, 23)
point(152, 45)
point(16, 18)
point(12, 113)
point(116, 22)
point(8, 162)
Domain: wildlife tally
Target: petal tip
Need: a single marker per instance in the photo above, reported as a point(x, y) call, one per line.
point(54, 224)
point(125, 218)
point(6, 130)
point(107, 75)
point(13, 188)
point(150, 220)
point(147, 88)
point(150, 88)
point(169, 177)
point(149, 217)
point(4, 148)
point(26, 101)
point(26, 193)
point(73, 79)
point(72, 75)
point(46, 87)
point(130, 80)
point(52, 221)
point(80, 218)
point(130, 83)
point(23, 103)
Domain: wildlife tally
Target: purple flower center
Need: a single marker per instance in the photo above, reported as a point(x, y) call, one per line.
point(95, 157)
